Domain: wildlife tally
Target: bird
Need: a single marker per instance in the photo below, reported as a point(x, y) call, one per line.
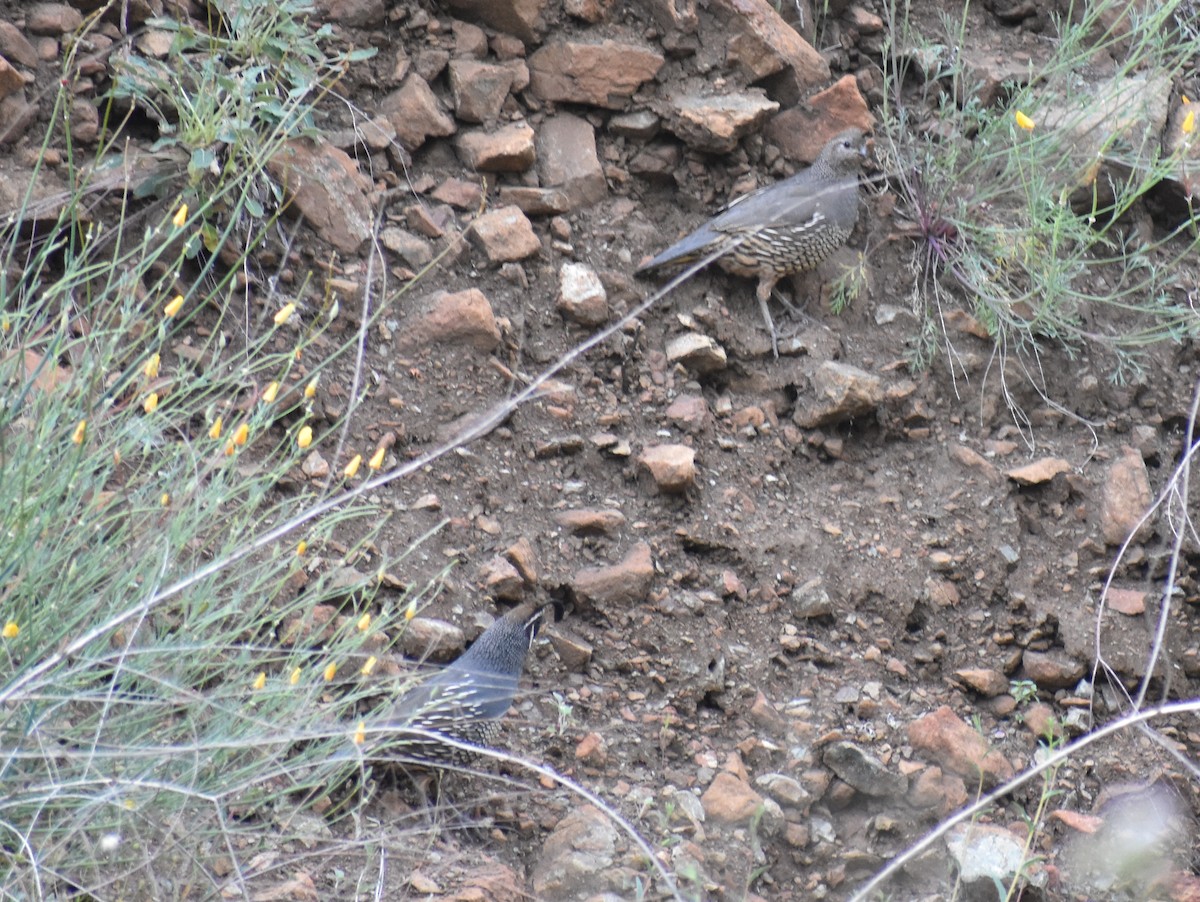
point(465, 700)
point(781, 229)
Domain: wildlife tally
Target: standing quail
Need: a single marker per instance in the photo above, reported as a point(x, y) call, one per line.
point(465, 700)
point(781, 229)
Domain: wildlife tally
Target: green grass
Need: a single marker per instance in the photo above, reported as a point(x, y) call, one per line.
point(1031, 229)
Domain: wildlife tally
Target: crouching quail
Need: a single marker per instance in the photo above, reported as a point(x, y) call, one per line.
point(465, 700)
point(781, 229)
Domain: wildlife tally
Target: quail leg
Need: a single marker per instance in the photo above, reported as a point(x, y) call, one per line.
point(766, 286)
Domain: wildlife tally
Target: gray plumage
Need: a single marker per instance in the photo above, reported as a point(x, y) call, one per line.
point(781, 229)
point(465, 700)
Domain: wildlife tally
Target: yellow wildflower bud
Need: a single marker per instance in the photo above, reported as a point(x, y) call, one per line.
point(360, 734)
point(6, 325)
point(285, 314)
point(165, 500)
point(180, 216)
point(411, 611)
point(116, 457)
point(364, 622)
point(230, 448)
point(11, 630)
point(1023, 121)
point(352, 467)
point(295, 677)
point(214, 431)
point(174, 307)
point(261, 680)
point(311, 389)
point(376, 460)
point(330, 670)
point(151, 367)
point(80, 433)
point(370, 665)
point(271, 393)
point(1189, 122)
point(241, 434)
point(304, 438)
point(151, 403)
point(302, 548)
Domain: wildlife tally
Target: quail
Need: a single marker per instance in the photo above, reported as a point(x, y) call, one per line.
point(465, 700)
point(781, 229)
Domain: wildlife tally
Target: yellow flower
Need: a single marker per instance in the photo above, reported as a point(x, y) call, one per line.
point(302, 548)
point(360, 734)
point(370, 665)
point(364, 622)
point(174, 307)
point(165, 500)
point(304, 438)
point(411, 611)
point(261, 680)
point(330, 670)
point(376, 460)
point(241, 434)
point(295, 677)
point(285, 314)
point(80, 433)
point(214, 431)
point(311, 389)
point(151, 403)
point(1023, 121)
point(5, 325)
point(10, 630)
point(1189, 122)
point(271, 392)
point(151, 367)
point(230, 448)
point(180, 216)
point(352, 467)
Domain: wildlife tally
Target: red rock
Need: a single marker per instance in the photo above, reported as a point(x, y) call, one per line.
point(942, 736)
point(522, 18)
point(459, 193)
point(590, 522)
point(764, 44)
point(1039, 471)
point(729, 800)
point(801, 131)
point(673, 467)
point(15, 48)
point(973, 460)
point(840, 392)
point(524, 558)
point(52, 19)
point(462, 318)
point(604, 74)
point(581, 296)
point(507, 149)
point(593, 11)
point(567, 160)
point(591, 749)
point(716, 123)
point(415, 113)
point(1131, 602)
point(469, 40)
point(435, 640)
point(689, 412)
point(985, 681)
point(327, 189)
point(623, 584)
point(501, 580)
point(505, 235)
point(353, 13)
point(479, 89)
point(1053, 669)
point(1126, 498)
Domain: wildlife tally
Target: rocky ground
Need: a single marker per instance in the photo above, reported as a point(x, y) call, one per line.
point(798, 591)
